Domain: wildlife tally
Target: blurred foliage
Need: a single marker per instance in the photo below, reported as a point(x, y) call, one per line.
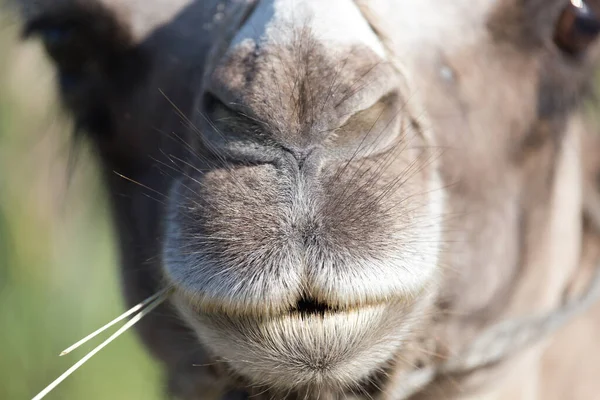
point(58, 267)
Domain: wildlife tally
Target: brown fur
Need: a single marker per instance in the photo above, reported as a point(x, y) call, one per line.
point(248, 168)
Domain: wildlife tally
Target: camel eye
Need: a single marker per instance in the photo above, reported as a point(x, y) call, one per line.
point(577, 27)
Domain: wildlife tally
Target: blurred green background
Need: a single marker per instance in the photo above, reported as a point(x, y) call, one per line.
point(58, 271)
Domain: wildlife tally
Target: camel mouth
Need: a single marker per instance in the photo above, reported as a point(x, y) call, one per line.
point(300, 307)
point(310, 306)
point(311, 344)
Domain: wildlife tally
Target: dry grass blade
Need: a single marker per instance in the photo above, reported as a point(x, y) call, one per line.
point(162, 296)
point(131, 311)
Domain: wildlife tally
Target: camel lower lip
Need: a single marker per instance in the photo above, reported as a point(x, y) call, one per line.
point(331, 348)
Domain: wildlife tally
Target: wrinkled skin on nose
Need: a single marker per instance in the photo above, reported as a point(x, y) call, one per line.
point(293, 77)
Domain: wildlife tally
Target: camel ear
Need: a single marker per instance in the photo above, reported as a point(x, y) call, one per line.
point(116, 63)
point(103, 50)
point(95, 58)
point(138, 17)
